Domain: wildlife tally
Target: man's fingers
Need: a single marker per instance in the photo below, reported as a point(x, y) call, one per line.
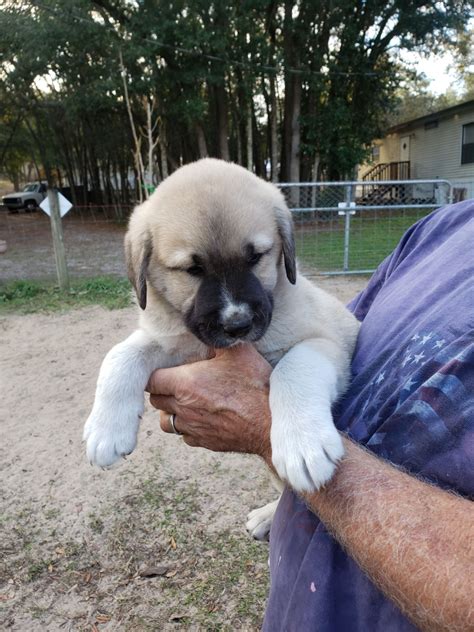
point(165, 381)
point(164, 402)
point(191, 441)
point(235, 352)
point(165, 421)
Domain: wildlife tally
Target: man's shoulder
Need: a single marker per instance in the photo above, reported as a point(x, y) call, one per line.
point(411, 399)
point(440, 241)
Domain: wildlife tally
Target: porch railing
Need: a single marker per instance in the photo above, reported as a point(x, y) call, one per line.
point(389, 171)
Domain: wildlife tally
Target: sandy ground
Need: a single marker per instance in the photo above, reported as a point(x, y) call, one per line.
point(155, 544)
point(93, 241)
point(94, 245)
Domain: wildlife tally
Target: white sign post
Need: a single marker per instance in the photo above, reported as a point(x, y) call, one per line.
point(56, 206)
point(64, 204)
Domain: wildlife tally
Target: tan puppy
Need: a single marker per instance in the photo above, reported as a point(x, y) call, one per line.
point(212, 258)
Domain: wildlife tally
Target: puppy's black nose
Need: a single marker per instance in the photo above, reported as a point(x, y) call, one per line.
point(238, 328)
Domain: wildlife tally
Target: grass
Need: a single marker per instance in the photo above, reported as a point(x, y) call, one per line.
point(372, 238)
point(213, 570)
point(216, 578)
point(28, 297)
point(319, 245)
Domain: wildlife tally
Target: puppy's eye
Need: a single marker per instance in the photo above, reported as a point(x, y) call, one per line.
point(195, 270)
point(254, 258)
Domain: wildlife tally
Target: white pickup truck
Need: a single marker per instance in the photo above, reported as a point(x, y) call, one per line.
point(29, 199)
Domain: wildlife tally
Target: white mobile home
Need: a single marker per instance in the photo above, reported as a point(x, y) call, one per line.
point(439, 145)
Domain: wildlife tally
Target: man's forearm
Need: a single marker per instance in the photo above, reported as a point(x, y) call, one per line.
point(414, 540)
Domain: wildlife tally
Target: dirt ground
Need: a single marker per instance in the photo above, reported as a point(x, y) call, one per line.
point(93, 239)
point(93, 242)
point(157, 543)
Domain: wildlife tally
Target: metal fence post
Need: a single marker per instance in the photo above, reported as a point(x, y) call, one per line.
point(58, 240)
point(374, 201)
point(450, 194)
point(347, 210)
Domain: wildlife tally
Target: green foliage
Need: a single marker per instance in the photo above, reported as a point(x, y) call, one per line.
point(203, 65)
point(26, 297)
point(413, 99)
point(463, 52)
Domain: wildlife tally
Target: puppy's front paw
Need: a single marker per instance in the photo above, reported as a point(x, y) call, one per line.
point(111, 432)
point(305, 453)
point(260, 520)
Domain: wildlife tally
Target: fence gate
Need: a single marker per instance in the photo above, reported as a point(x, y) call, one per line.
point(350, 227)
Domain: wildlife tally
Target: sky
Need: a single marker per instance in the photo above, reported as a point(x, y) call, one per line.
point(437, 70)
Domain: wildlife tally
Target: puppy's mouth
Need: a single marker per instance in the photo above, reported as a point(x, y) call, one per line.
point(221, 337)
point(215, 333)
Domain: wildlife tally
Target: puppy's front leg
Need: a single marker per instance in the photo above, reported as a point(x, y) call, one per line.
point(112, 427)
point(305, 443)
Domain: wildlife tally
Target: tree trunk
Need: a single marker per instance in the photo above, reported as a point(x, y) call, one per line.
point(273, 122)
point(249, 129)
point(239, 145)
point(85, 176)
point(151, 144)
point(201, 140)
point(293, 90)
point(163, 152)
point(258, 154)
point(37, 137)
point(222, 122)
point(295, 138)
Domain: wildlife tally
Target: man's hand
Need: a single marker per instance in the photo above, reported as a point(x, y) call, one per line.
point(220, 404)
point(414, 540)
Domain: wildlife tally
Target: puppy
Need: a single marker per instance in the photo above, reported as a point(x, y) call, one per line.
point(211, 255)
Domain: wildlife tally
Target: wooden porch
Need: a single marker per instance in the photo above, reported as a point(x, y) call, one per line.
point(388, 171)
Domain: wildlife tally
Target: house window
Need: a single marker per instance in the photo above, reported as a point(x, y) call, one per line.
point(375, 153)
point(467, 153)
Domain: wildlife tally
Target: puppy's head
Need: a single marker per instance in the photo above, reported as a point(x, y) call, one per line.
point(213, 242)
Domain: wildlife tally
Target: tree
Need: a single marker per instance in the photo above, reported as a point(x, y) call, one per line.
point(463, 51)
point(300, 86)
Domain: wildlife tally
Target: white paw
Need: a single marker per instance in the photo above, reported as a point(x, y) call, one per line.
point(111, 431)
point(306, 453)
point(260, 520)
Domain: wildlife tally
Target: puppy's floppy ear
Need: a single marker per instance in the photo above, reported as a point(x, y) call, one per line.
point(287, 235)
point(138, 249)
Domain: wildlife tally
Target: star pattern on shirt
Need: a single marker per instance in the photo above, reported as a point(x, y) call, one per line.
point(407, 359)
point(380, 378)
point(425, 339)
point(416, 337)
point(409, 385)
point(417, 357)
point(439, 343)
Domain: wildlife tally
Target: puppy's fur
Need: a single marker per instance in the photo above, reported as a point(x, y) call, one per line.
point(212, 258)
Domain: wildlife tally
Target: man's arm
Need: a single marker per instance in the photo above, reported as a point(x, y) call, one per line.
point(414, 540)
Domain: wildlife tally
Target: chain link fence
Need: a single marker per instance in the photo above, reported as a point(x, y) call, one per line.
point(350, 227)
point(341, 228)
point(93, 240)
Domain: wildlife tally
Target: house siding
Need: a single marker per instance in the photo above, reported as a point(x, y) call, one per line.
point(434, 153)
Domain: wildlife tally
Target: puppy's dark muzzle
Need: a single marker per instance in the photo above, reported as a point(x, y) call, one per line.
point(214, 333)
point(223, 314)
point(238, 328)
